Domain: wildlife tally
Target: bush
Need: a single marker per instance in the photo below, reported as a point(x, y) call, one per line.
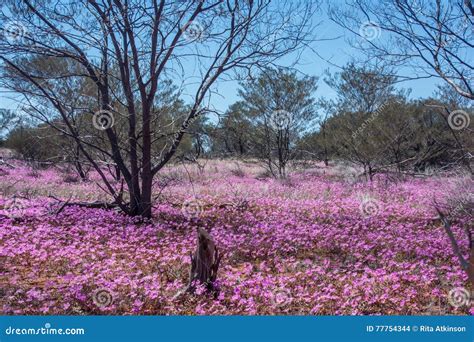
point(238, 172)
point(34, 173)
point(70, 178)
point(264, 175)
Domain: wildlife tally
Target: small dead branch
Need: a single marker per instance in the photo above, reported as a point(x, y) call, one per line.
point(92, 205)
point(467, 265)
point(3, 162)
point(62, 207)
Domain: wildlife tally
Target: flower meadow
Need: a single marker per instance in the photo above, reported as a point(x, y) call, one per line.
point(317, 243)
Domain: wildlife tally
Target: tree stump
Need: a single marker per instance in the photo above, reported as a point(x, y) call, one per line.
point(204, 263)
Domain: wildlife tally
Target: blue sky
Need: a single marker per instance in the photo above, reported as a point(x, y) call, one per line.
point(330, 52)
point(313, 62)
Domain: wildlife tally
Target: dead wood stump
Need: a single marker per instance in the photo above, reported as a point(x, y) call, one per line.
point(204, 263)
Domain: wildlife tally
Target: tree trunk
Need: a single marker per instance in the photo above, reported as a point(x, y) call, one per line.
point(326, 157)
point(145, 201)
point(135, 207)
point(147, 176)
point(470, 270)
point(80, 170)
point(117, 173)
point(78, 165)
point(204, 263)
point(371, 173)
point(466, 265)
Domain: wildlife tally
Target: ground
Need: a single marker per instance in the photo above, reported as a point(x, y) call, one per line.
point(319, 243)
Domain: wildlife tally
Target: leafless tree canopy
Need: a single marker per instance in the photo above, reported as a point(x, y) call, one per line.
point(434, 38)
point(117, 56)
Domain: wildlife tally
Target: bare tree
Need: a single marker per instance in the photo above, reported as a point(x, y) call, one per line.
point(126, 50)
point(434, 38)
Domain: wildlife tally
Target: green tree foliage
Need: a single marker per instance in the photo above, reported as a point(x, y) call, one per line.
point(281, 109)
point(233, 134)
point(378, 128)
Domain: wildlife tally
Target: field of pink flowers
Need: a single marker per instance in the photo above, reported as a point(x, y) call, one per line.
point(316, 244)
